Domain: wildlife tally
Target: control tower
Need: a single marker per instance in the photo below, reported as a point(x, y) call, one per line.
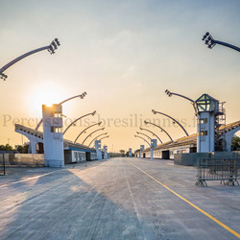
point(210, 119)
point(52, 135)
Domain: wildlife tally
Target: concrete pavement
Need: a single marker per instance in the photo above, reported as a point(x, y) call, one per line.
point(122, 198)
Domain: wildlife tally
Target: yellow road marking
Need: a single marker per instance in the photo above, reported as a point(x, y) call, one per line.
point(193, 205)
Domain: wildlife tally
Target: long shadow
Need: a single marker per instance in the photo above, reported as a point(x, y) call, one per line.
point(63, 206)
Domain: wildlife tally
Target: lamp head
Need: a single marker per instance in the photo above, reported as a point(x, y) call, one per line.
point(57, 41)
point(146, 122)
point(168, 92)
point(99, 123)
point(53, 46)
point(93, 113)
point(3, 76)
point(204, 37)
point(154, 112)
point(140, 128)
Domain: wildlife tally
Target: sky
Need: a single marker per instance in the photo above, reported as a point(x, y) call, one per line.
point(124, 54)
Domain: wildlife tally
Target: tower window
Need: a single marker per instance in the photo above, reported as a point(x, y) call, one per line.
point(203, 133)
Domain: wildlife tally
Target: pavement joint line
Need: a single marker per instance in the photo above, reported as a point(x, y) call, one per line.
point(236, 234)
point(45, 174)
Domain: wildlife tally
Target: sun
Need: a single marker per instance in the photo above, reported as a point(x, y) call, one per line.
point(47, 94)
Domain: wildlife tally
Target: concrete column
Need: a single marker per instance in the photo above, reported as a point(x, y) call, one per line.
point(98, 149)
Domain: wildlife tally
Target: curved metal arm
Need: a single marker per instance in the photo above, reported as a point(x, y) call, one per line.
point(144, 129)
point(99, 123)
point(143, 139)
point(90, 134)
point(211, 42)
point(80, 96)
point(155, 112)
point(144, 135)
point(96, 138)
point(103, 138)
point(227, 45)
point(179, 95)
point(160, 128)
point(93, 113)
point(51, 48)
point(182, 96)
point(66, 100)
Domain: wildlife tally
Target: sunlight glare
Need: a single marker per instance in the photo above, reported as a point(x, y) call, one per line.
point(47, 94)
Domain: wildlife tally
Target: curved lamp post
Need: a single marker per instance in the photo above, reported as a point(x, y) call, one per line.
point(143, 139)
point(103, 138)
point(81, 96)
point(182, 96)
point(144, 135)
point(99, 123)
point(179, 95)
point(93, 113)
point(146, 122)
point(144, 129)
point(51, 48)
point(211, 42)
point(97, 138)
point(174, 120)
point(90, 134)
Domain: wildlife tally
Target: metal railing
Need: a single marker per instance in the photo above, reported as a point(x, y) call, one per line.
point(225, 170)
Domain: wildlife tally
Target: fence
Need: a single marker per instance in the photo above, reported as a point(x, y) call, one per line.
point(225, 170)
point(2, 164)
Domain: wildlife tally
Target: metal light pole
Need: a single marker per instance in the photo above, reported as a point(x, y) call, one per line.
point(103, 138)
point(182, 96)
point(146, 122)
point(143, 139)
point(211, 42)
point(51, 48)
point(144, 135)
point(93, 113)
point(90, 134)
point(144, 129)
point(97, 138)
point(81, 96)
point(99, 123)
point(174, 120)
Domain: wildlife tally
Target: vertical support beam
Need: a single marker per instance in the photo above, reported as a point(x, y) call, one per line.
point(98, 149)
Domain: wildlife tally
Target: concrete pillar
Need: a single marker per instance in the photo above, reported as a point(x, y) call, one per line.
point(32, 145)
point(105, 152)
point(98, 149)
point(130, 152)
point(153, 145)
point(141, 150)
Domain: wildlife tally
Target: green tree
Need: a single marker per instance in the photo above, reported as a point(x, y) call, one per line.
point(235, 143)
point(122, 152)
point(22, 149)
point(7, 147)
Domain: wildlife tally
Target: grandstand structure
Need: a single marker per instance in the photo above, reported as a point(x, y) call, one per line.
point(188, 144)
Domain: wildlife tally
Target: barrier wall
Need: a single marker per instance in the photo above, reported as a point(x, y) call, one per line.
point(191, 159)
point(24, 160)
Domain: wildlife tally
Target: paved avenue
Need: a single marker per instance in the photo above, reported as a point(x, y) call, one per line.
point(120, 198)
